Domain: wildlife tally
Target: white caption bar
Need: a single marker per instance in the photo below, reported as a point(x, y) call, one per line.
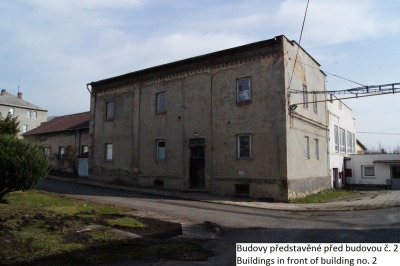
point(317, 254)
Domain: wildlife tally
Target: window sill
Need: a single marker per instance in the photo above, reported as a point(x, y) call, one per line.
point(242, 103)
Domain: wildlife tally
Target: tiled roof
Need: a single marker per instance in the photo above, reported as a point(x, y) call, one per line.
point(62, 123)
point(12, 100)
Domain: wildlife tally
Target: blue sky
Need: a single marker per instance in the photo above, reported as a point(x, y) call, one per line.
point(53, 48)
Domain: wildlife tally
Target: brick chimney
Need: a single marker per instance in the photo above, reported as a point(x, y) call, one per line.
point(3, 91)
point(19, 95)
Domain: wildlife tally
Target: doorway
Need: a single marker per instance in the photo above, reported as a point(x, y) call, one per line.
point(395, 174)
point(197, 164)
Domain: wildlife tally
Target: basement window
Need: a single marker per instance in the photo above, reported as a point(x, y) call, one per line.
point(242, 189)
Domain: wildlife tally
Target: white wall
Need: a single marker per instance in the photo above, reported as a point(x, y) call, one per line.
point(339, 115)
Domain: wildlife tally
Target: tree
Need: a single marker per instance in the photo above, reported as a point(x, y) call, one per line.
point(9, 125)
point(22, 165)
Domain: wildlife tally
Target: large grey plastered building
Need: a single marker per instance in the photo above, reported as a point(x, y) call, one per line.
point(223, 122)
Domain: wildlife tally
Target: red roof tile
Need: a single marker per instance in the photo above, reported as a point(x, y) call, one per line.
point(62, 123)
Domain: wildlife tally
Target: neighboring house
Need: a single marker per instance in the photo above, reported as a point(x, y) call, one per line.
point(235, 122)
point(360, 148)
point(342, 139)
point(63, 138)
point(375, 169)
point(29, 115)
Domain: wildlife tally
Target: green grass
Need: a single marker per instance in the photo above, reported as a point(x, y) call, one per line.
point(125, 222)
point(45, 228)
point(324, 196)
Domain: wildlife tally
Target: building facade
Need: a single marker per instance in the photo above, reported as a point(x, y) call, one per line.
point(382, 170)
point(29, 115)
point(342, 140)
point(233, 122)
point(63, 139)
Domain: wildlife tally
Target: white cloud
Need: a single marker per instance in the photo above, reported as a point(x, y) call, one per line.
point(337, 21)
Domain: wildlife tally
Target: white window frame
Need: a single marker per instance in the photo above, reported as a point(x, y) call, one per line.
point(110, 110)
point(305, 96)
point(28, 114)
point(161, 102)
point(349, 142)
point(34, 114)
point(307, 148)
point(46, 151)
point(24, 128)
point(11, 111)
point(108, 152)
point(315, 103)
point(61, 151)
point(368, 168)
point(342, 140)
point(161, 150)
point(239, 146)
point(353, 149)
point(336, 138)
point(243, 95)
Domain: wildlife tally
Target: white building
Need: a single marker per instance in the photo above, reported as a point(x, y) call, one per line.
point(375, 169)
point(342, 139)
point(29, 115)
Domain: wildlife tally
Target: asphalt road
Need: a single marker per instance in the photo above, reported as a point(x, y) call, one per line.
point(250, 225)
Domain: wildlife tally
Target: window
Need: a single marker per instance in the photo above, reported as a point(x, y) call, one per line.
point(342, 135)
point(336, 132)
point(84, 149)
point(353, 148)
point(24, 128)
point(315, 104)
point(109, 110)
point(34, 114)
point(28, 114)
point(368, 171)
point(46, 151)
point(11, 111)
point(305, 97)
point(244, 146)
point(61, 152)
point(307, 148)
point(243, 93)
point(161, 102)
point(317, 149)
point(161, 150)
point(109, 151)
point(349, 142)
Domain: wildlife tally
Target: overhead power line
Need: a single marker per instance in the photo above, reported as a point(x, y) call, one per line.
point(337, 76)
point(378, 133)
point(298, 47)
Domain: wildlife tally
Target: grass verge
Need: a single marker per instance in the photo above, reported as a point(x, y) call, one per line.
point(324, 196)
point(44, 228)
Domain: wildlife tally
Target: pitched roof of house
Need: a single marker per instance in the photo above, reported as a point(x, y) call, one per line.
point(260, 48)
point(62, 123)
point(361, 145)
point(8, 99)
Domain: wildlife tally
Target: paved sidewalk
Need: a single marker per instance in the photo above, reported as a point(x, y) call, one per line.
point(365, 200)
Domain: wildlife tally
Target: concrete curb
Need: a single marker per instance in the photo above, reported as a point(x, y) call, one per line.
point(385, 199)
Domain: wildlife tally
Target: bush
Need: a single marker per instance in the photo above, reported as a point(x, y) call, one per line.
point(22, 165)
